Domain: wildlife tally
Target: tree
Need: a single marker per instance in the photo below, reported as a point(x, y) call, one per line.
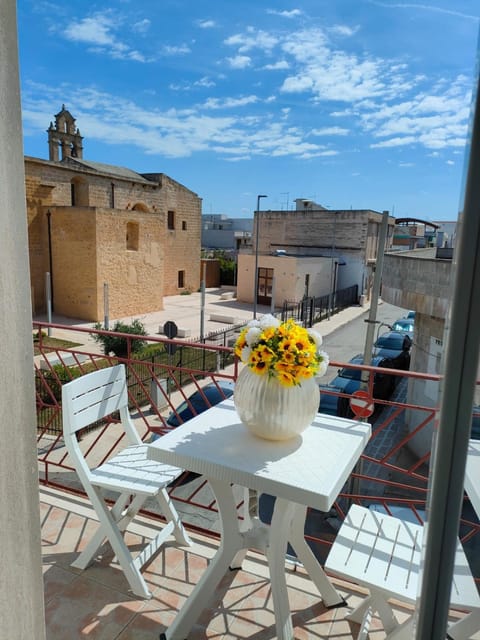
point(228, 268)
point(118, 345)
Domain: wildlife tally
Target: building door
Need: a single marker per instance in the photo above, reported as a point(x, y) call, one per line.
point(265, 286)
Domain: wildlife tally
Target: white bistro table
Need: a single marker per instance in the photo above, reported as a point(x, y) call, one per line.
point(306, 471)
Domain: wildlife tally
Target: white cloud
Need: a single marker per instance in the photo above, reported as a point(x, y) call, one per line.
point(204, 82)
point(98, 31)
point(229, 103)
point(395, 142)
point(379, 98)
point(175, 50)
point(239, 62)
point(294, 13)
point(142, 26)
point(436, 121)
point(344, 30)
point(252, 39)
point(280, 65)
point(339, 77)
point(297, 84)
point(94, 30)
point(174, 133)
point(206, 24)
point(330, 131)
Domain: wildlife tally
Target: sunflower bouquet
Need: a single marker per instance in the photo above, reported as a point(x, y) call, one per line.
point(285, 351)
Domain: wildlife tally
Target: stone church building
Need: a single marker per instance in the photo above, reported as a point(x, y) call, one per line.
point(92, 224)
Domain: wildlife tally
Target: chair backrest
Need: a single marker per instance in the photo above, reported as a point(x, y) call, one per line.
point(92, 397)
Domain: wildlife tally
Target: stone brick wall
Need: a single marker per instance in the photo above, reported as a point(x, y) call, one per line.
point(417, 280)
point(38, 198)
point(97, 191)
point(89, 241)
point(74, 261)
point(349, 230)
point(89, 249)
point(183, 243)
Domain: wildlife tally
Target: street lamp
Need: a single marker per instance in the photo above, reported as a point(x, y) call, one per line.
point(256, 256)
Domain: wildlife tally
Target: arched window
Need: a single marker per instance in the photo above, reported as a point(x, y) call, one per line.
point(140, 206)
point(133, 232)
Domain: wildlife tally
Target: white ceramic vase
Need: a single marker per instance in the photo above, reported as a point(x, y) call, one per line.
point(272, 411)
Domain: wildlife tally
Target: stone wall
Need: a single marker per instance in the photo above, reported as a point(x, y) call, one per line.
point(347, 230)
point(89, 248)
point(417, 280)
point(183, 243)
point(87, 245)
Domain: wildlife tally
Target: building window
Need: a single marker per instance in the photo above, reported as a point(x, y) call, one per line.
point(133, 229)
point(171, 219)
point(79, 192)
point(181, 279)
point(265, 285)
point(112, 195)
point(184, 225)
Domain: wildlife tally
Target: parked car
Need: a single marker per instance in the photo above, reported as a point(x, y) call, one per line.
point(198, 402)
point(349, 380)
point(411, 314)
point(392, 344)
point(404, 325)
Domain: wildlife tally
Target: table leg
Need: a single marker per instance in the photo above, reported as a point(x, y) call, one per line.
point(331, 597)
point(283, 513)
point(231, 542)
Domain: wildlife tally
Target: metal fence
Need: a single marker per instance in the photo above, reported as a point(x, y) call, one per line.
point(315, 309)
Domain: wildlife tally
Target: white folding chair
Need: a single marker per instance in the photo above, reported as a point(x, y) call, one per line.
point(382, 553)
point(129, 473)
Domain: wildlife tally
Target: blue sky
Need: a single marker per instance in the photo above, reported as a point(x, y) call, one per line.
point(351, 103)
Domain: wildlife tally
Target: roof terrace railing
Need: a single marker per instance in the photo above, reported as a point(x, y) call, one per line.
point(390, 476)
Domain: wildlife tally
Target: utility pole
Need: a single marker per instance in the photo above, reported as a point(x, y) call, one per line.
point(257, 232)
point(377, 281)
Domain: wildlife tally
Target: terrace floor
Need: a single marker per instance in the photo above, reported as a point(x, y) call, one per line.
point(97, 603)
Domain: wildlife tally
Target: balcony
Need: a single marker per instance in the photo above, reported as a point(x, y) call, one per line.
point(97, 603)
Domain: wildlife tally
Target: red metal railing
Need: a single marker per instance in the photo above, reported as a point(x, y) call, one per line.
point(390, 475)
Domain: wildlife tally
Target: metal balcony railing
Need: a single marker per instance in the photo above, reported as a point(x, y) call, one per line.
point(390, 476)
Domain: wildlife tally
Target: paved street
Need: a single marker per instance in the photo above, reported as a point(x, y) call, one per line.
point(219, 314)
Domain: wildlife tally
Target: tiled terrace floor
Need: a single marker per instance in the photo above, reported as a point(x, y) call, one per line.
point(96, 604)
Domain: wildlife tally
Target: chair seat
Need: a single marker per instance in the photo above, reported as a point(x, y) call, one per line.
point(131, 471)
point(382, 553)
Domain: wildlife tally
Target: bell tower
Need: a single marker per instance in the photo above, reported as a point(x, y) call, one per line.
point(64, 135)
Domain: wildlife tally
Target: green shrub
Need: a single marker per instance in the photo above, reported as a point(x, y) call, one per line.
point(55, 380)
point(118, 344)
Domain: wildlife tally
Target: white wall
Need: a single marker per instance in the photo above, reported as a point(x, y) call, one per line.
point(289, 274)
